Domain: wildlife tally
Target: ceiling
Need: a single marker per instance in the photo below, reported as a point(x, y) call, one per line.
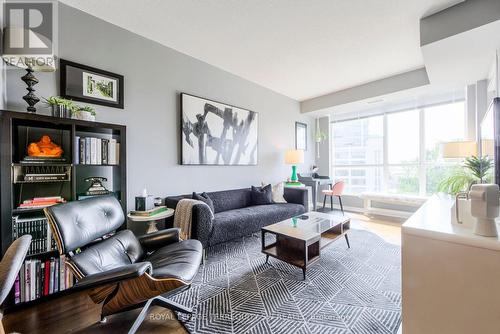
point(299, 48)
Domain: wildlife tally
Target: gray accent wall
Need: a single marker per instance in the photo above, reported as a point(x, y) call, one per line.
point(155, 76)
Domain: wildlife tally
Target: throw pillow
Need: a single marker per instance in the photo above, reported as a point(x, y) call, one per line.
point(262, 195)
point(204, 198)
point(278, 190)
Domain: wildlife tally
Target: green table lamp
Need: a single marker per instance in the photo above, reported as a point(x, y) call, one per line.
point(294, 157)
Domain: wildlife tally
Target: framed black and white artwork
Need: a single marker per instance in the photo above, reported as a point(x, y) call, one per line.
point(89, 84)
point(215, 133)
point(300, 136)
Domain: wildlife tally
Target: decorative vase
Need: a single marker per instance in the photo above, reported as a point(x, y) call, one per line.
point(60, 111)
point(83, 115)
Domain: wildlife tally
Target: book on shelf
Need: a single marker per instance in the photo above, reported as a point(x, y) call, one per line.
point(41, 202)
point(149, 213)
point(42, 277)
point(97, 151)
point(76, 154)
point(37, 227)
point(42, 160)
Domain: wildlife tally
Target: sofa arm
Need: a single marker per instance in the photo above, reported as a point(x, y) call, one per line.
point(115, 275)
point(155, 240)
point(297, 195)
point(201, 223)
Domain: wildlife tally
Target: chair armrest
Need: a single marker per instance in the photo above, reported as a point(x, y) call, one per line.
point(156, 240)
point(115, 275)
point(201, 223)
point(297, 195)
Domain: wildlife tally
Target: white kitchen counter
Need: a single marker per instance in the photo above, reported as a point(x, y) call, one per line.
point(433, 220)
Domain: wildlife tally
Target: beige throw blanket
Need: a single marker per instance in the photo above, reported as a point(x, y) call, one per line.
point(183, 216)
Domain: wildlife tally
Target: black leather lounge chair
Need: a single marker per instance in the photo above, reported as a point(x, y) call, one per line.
point(119, 270)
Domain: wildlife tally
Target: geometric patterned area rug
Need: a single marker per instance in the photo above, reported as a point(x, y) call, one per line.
point(356, 290)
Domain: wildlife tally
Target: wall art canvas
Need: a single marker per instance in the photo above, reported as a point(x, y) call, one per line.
point(215, 133)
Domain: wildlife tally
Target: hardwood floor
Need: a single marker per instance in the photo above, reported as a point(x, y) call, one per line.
point(160, 320)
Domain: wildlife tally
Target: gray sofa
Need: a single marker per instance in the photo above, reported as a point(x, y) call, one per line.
point(235, 216)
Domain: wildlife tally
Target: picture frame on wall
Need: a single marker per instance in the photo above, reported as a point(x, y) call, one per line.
point(216, 133)
point(300, 136)
point(83, 83)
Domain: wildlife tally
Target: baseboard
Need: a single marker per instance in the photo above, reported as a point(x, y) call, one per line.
point(372, 211)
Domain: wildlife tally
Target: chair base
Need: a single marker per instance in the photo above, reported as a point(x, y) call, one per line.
point(157, 301)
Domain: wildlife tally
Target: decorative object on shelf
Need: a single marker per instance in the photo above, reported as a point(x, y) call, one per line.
point(214, 133)
point(92, 85)
point(300, 136)
point(85, 113)
point(45, 148)
point(475, 169)
point(485, 207)
point(96, 188)
point(31, 63)
point(319, 137)
point(144, 202)
point(41, 171)
point(294, 157)
point(60, 107)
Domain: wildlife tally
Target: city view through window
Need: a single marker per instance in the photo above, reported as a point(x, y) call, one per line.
point(397, 152)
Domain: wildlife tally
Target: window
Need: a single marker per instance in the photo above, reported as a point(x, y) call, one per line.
point(358, 142)
point(411, 163)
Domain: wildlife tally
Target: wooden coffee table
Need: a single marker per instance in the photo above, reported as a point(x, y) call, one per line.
point(299, 240)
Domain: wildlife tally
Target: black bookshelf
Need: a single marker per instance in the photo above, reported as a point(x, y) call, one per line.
point(17, 130)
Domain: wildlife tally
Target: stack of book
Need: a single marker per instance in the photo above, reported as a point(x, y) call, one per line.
point(41, 202)
point(96, 151)
point(38, 278)
point(37, 227)
point(149, 213)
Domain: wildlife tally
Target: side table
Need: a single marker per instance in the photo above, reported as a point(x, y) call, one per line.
point(152, 220)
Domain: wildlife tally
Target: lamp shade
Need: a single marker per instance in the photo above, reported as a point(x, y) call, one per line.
point(459, 149)
point(14, 38)
point(293, 157)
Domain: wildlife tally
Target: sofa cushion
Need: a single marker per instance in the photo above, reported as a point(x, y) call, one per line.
point(231, 199)
point(244, 221)
point(179, 260)
point(204, 198)
point(262, 195)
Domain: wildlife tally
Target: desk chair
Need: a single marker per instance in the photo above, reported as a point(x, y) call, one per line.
point(336, 190)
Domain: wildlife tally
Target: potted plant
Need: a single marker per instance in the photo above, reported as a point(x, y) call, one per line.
point(59, 107)
point(86, 113)
point(476, 170)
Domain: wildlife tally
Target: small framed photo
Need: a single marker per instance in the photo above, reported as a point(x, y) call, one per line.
point(300, 136)
point(88, 84)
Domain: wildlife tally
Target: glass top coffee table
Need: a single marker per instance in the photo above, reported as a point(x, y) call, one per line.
point(299, 240)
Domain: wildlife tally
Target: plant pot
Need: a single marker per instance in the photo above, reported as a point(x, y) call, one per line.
point(83, 115)
point(60, 111)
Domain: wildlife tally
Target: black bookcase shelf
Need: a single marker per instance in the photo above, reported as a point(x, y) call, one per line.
point(17, 130)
